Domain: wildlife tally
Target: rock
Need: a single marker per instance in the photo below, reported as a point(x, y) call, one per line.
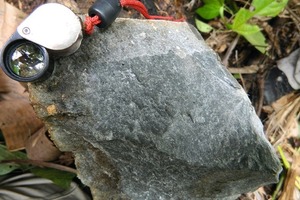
point(150, 113)
point(291, 67)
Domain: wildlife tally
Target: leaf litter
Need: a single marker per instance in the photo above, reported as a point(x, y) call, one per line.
point(280, 117)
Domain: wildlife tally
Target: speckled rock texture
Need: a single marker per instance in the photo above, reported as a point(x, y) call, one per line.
point(150, 113)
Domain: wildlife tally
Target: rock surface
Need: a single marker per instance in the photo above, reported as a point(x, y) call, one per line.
point(150, 113)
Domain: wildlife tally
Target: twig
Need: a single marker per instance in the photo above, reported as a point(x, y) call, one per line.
point(273, 38)
point(41, 164)
point(252, 69)
point(261, 88)
point(243, 81)
point(229, 50)
point(294, 17)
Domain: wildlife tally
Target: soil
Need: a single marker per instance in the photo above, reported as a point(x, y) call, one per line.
point(282, 34)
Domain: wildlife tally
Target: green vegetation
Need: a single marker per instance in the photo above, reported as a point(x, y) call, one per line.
point(6, 168)
point(10, 161)
point(240, 20)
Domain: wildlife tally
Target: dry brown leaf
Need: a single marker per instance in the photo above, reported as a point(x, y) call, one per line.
point(10, 17)
point(71, 4)
point(219, 41)
point(84, 5)
point(277, 105)
point(17, 122)
point(10, 89)
point(66, 158)
point(281, 122)
point(17, 118)
point(40, 147)
point(289, 188)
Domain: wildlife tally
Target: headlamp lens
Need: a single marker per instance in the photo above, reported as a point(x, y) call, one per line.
point(27, 60)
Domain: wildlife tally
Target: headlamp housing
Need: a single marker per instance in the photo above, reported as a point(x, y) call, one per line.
point(52, 30)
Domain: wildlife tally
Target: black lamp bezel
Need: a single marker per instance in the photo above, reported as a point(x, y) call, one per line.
point(6, 56)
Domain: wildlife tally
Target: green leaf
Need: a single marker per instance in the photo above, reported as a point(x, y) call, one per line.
point(203, 27)
point(285, 162)
point(208, 11)
point(258, 40)
point(252, 34)
point(242, 16)
point(221, 12)
point(228, 26)
point(211, 9)
point(60, 178)
point(5, 154)
point(237, 76)
point(268, 8)
point(247, 29)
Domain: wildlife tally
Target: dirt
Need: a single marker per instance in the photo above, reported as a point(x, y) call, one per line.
point(282, 34)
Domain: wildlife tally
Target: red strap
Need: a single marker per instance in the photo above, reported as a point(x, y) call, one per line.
point(139, 6)
point(90, 22)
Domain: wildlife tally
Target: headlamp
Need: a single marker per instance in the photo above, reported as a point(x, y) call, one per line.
point(26, 61)
point(52, 30)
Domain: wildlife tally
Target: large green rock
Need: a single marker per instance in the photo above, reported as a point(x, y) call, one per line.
point(150, 113)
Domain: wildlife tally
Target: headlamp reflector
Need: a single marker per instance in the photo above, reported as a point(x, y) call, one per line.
point(26, 60)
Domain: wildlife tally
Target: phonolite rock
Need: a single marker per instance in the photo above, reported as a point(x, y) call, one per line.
point(150, 113)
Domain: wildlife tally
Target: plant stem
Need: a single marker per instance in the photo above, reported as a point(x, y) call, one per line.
point(229, 50)
point(41, 164)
